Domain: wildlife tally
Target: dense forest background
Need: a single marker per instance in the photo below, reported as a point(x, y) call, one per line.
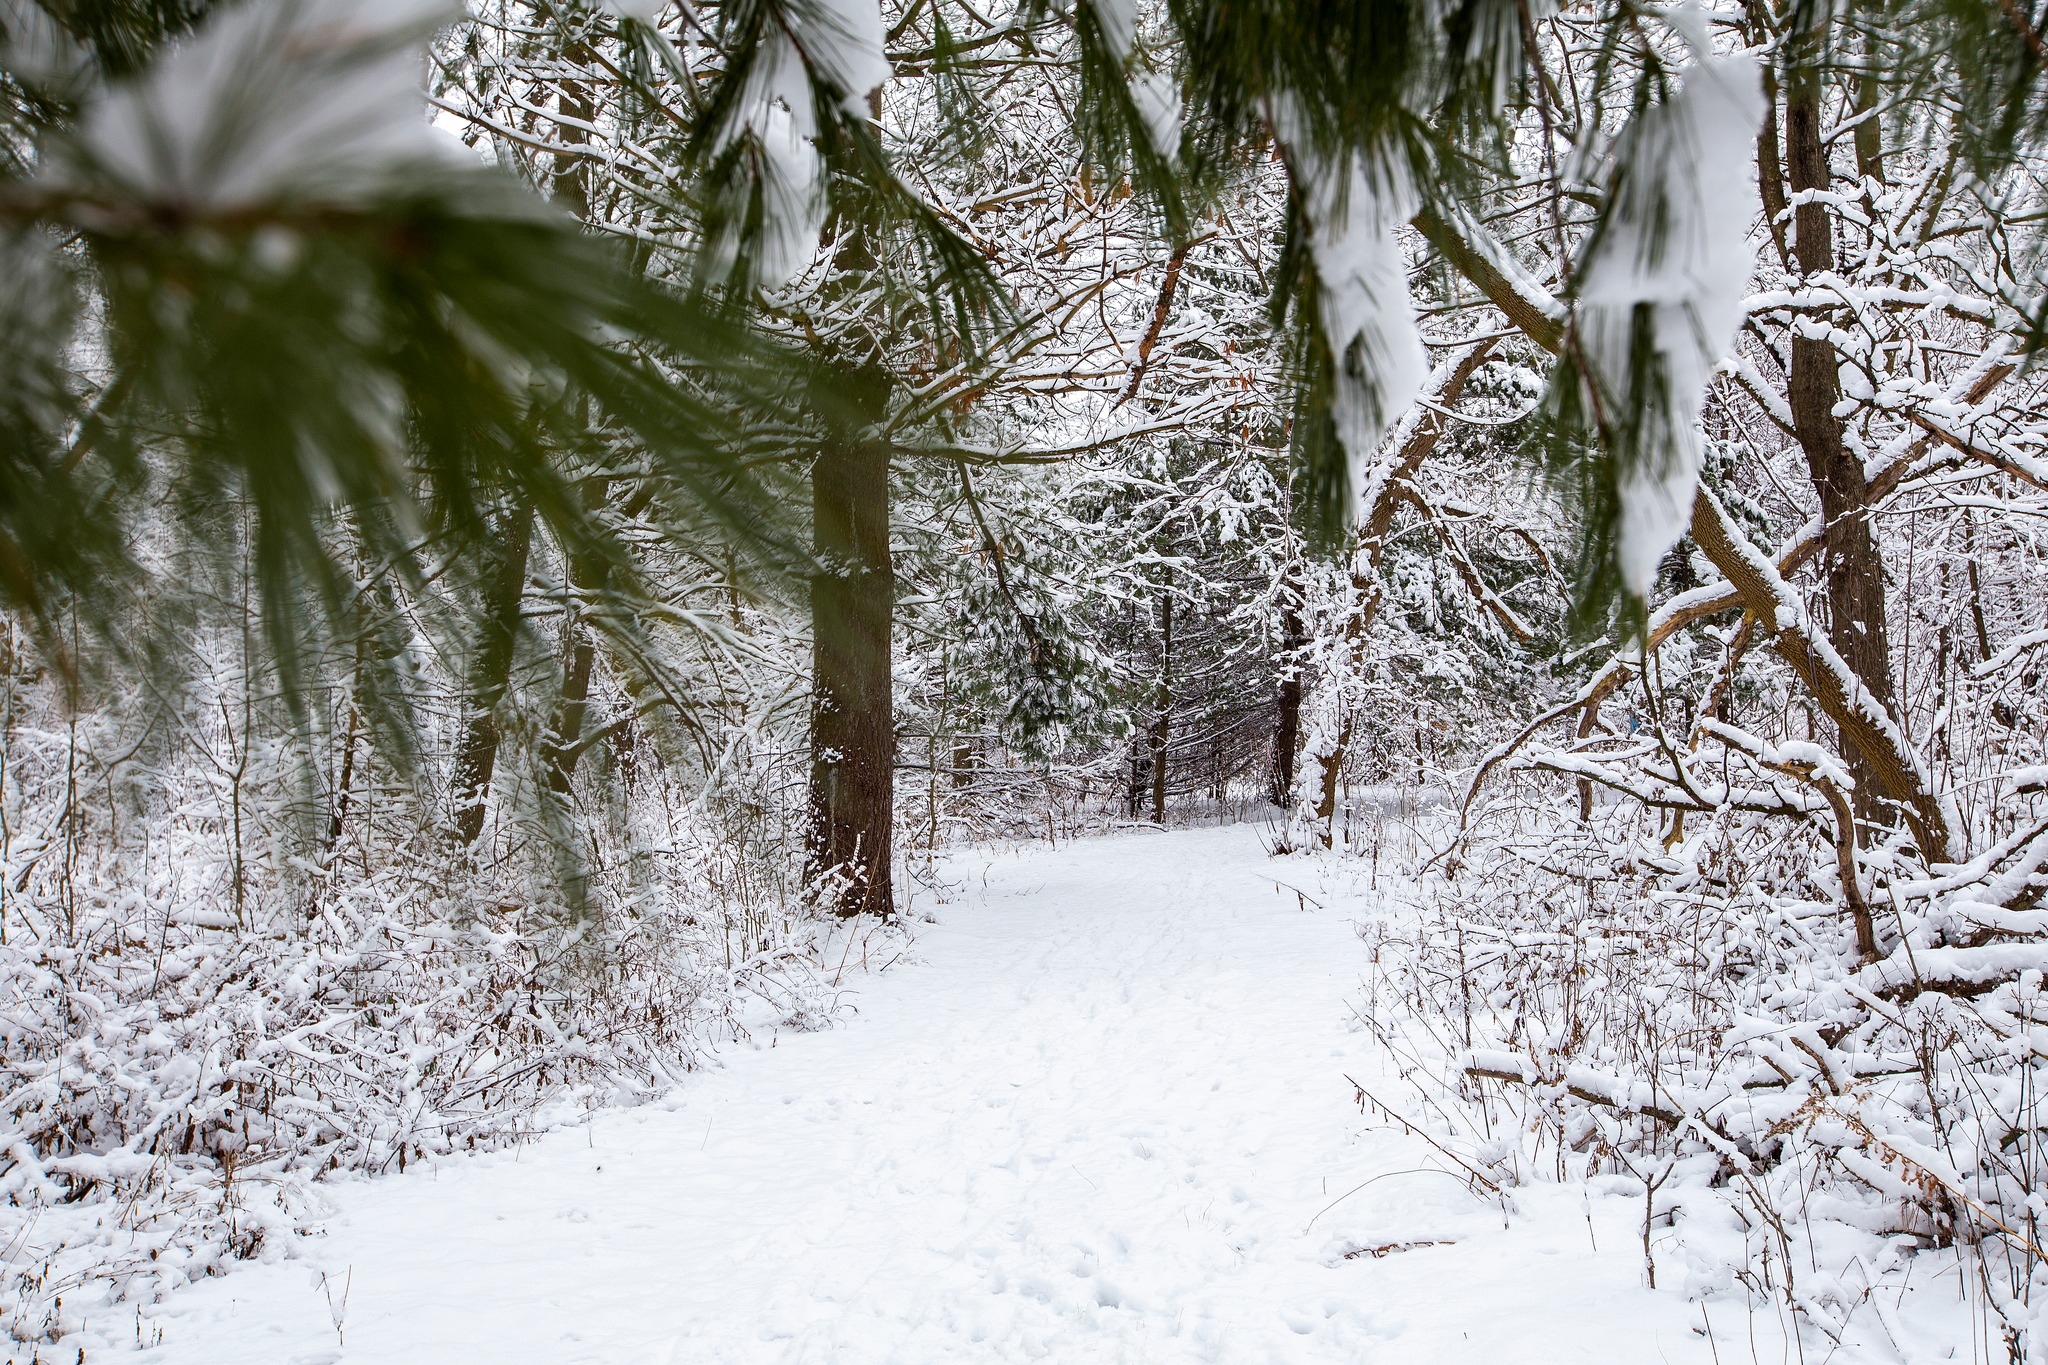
point(493, 589)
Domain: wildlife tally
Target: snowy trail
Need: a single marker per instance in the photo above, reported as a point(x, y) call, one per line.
point(1094, 1123)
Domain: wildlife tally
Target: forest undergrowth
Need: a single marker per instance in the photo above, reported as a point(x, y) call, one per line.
point(1687, 1020)
point(214, 1003)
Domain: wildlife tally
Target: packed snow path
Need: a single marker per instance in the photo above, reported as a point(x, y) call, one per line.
point(1104, 1117)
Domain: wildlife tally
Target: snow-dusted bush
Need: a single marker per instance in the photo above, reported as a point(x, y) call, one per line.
point(1695, 1018)
point(212, 1001)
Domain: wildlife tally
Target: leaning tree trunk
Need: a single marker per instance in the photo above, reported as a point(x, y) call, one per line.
point(476, 757)
point(1412, 443)
point(1870, 741)
point(853, 726)
point(1850, 564)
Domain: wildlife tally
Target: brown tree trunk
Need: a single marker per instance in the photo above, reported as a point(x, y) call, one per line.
point(1870, 132)
point(1287, 733)
point(589, 575)
point(571, 184)
point(1891, 771)
point(1850, 564)
point(1770, 173)
point(345, 781)
point(566, 749)
point(476, 757)
point(1333, 769)
point(853, 727)
point(1163, 718)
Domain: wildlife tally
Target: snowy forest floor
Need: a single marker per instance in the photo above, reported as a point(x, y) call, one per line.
point(1097, 1111)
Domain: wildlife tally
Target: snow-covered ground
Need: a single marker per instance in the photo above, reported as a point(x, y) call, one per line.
point(1098, 1113)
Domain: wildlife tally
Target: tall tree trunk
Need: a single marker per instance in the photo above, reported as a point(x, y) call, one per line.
point(345, 780)
point(570, 186)
point(1287, 733)
point(1333, 770)
point(1163, 719)
point(589, 575)
point(566, 748)
point(853, 727)
point(1850, 564)
point(476, 757)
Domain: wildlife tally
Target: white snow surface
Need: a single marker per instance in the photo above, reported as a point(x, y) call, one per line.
point(1098, 1113)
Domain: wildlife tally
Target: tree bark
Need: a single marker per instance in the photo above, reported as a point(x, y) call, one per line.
point(1850, 564)
point(565, 749)
point(1333, 768)
point(345, 781)
point(1287, 733)
point(587, 573)
point(1163, 717)
point(476, 757)
point(853, 728)
point(571, 182)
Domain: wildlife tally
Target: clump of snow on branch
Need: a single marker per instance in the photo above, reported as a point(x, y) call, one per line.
point(645, 11)
point(1674, 254)
point(1158, 102)
point(274, 101)
point(776, 118)
point(842, 41)
point(836, 43)
point(1355, 210)
point(1154, 94)
point(1118, 20)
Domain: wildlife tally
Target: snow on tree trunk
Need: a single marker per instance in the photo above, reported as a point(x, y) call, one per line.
point(1850, 560)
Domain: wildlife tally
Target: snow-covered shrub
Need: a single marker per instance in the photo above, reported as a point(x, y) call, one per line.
point(1694, 1017)
point(212, 1001)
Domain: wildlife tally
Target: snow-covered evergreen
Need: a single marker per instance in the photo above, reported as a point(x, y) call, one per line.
point(540, 541)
